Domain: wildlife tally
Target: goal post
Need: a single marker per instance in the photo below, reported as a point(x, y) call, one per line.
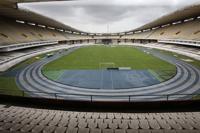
point(105, 65)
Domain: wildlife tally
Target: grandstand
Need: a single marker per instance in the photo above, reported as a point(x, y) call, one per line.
point(35, 101)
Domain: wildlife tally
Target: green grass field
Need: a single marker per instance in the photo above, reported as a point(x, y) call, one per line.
point(94, 57)
point(8, 86)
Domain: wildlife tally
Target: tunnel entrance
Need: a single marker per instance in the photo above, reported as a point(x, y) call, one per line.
point(107, 41)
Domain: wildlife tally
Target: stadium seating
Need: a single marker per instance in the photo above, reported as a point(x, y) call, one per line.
point(14, 33)
point(24, 119)
point(184, 31)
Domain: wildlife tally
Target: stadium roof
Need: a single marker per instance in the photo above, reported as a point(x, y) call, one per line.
point(11, 2)
point(182, 14)
point(9, 9)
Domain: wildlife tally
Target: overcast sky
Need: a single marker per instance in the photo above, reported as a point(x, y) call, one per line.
point(104, 16)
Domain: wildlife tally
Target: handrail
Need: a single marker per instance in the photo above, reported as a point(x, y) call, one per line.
point(3, 62)
point(91, 98)
point(182, 42)
point(26, 45)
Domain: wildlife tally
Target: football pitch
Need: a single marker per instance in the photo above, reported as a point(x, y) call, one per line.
point(97, 57)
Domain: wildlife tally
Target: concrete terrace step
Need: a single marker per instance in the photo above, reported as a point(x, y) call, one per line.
point(57, 121)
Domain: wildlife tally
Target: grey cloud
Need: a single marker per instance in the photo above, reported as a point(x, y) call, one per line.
point(95, 15)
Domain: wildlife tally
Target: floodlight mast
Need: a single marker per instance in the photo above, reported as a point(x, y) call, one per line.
point(107, 28)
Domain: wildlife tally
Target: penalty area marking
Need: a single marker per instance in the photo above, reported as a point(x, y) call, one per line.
point(104, 65)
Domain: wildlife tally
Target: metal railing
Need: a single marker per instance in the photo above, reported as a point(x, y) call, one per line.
point(182, 42)
point(24, 55)
point(97, 97)
point(18, 46)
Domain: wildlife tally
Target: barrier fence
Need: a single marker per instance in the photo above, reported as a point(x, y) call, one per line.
point(97, 97)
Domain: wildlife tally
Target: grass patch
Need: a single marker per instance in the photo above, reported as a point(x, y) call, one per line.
point(8, 86)
point(194, 62)
point(91, 57)
point(31, 60)
point(163, 75)
point(53, 75)
point(28, 61)
point(196, 97)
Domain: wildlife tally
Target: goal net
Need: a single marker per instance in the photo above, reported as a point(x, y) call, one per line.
point(105, 65)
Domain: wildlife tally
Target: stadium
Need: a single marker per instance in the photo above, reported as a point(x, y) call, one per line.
point(59, 79)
